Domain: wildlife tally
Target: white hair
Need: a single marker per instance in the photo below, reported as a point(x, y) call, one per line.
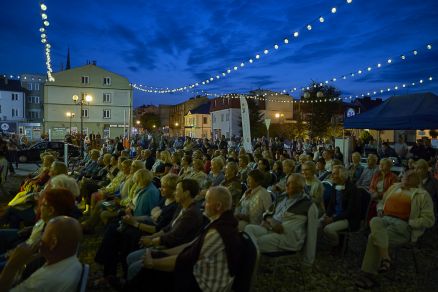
point(65, 182)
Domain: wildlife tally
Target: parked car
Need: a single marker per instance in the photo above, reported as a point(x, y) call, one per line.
point(32, 154)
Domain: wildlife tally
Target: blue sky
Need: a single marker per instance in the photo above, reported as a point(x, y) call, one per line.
point(177, 43)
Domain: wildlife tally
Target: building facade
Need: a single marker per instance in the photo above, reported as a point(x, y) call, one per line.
point(12, 105)
point(197, 122)
point(178, 111)
point(225, 117)
point(107, 114)
point(34, 84)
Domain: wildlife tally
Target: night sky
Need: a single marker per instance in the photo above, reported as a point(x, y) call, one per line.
point(175, 43)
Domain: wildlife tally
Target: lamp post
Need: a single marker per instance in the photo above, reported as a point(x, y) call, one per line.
point(70, 115)
point(83, 100)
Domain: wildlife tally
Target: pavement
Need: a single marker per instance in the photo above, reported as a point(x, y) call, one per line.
point(25, 168)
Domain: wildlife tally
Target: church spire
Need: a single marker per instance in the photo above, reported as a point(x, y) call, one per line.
point(67, 66)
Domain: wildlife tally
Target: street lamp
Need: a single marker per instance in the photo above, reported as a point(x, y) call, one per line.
point(70, 115)
point(137, 122)
point(83, 100)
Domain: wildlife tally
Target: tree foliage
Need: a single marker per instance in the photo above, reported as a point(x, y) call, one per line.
point(319, 111)
point(148, 120)
point(256, 119)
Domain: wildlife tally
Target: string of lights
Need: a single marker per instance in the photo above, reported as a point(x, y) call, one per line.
point(390, 60)
point(255, 58)
point(45, 40)
point(267, 96)
point(18, 77)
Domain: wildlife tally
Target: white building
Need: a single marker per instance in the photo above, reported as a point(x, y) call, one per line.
point(12, 104)
point(108, 113)
point(225, 117)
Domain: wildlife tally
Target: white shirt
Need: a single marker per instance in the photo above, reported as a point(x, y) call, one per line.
point(63, 276)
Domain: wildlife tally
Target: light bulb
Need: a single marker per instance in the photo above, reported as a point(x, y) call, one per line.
point(44, 16)
point(349, 1)
point(46, 23)
point(321, 19)
point(334, 10)
point(257, 56)
point(309, 27)
point(286, 41)
point(265, 51)
point(429, 47)
point(296, 34)
point(389, 61)
point(276, 47)
point(43, 7)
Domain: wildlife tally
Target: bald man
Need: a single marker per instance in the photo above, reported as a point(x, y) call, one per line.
point(58, 245)
point(209, 263)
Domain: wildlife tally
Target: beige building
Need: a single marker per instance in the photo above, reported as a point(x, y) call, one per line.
point(278, 107)
point(197, 122)
point(108, 113)
point(177, 113)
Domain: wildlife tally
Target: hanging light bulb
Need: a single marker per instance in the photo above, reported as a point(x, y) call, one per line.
point(257, 56)
point(276, 47)
point(46, 23)
point(415, 52)
point(429, 47)
point(349, 1)
point(379, 65)
point(389, 61)
point(321, 19)
point(296, 34)
point(334, 10)
point(265, 52)
point(403, 57)
point(42, 29)
point(44, 16)
point(43, 7)
point(309, 27)
point(250, 60)
point(286, 41)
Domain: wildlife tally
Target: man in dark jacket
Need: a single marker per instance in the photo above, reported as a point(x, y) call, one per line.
point(209, 263)
point(343, 210)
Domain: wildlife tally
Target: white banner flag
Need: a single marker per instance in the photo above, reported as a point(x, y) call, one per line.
point(244, 113)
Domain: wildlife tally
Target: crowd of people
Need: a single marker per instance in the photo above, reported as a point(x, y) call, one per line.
point(170, 211)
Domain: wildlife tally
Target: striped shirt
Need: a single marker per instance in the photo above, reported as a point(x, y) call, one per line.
point(211, 270)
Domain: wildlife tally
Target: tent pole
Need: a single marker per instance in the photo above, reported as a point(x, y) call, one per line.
point(343, 145)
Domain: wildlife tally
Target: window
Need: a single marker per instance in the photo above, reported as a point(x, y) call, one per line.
point(14, 96)
point(29, 86)
point(228, 117)
point(15, 112)
point(106, 114)
point(85, 80)
point(33, 99)
point(85, 113)
point(106, 80)
point(222, 117)
point(107, 97)
point(204, 120)
point(36, 86)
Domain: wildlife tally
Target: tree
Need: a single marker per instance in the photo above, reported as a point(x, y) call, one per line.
point(256, 119)
point(321, 105)
point(150, 121)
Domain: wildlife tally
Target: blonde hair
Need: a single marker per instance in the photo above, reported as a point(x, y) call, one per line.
point(218, 160)
point(143, 177)
point(170, 180)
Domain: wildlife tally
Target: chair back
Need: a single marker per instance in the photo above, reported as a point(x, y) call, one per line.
point(328, 189)
point(82, 287)
point(250, 256)
point(365, 202)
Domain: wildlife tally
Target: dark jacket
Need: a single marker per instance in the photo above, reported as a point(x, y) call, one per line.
point(351, 206)
point(185, 228)
point(226, 226)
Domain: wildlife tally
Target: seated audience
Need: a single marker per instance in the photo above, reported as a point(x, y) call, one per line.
point(342, 210)
point(404, 213)
point(364, 180)
point(254, 202)
point(58, 245)
point(210, 263)
point(285, 228)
